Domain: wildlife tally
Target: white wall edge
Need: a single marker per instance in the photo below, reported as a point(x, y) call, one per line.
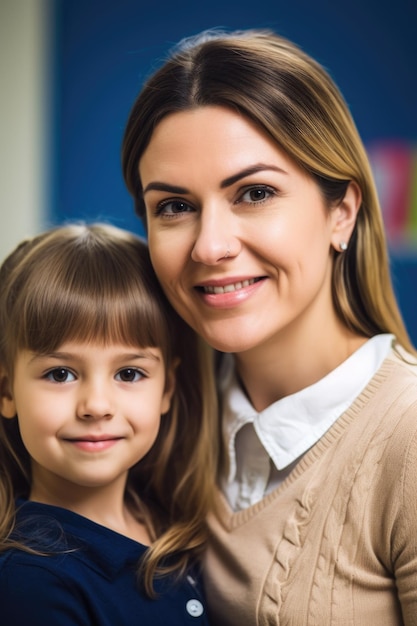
point(25, 115)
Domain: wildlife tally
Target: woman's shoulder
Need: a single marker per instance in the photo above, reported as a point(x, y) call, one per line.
point(392, 422)
point(394, 386)
point(391, 396)
point(403, 360)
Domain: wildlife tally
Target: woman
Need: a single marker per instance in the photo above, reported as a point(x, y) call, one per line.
point(266, 234)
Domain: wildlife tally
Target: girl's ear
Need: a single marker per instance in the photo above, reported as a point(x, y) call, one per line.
point(170, 383)
point(344, 216)
point(7, 403)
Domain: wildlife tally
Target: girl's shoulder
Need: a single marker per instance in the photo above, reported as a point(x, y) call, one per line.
point(89, 578)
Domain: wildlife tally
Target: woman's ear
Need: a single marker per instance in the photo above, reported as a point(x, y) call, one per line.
point(7, 403)
point(344, 216)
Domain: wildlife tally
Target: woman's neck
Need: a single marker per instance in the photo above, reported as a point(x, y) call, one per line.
point(287, 364)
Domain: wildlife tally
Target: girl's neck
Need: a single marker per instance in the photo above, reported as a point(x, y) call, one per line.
point(104, 506)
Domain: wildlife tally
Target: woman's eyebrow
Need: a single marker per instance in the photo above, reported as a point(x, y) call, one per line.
point(227, 182)
point(159, 186)
point(259, 167)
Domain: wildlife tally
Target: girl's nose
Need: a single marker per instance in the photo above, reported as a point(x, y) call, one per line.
point(95, 402)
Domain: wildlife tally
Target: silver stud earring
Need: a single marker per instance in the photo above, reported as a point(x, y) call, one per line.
point(343, 246)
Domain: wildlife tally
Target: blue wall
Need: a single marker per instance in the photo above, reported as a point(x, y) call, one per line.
point(105, 48)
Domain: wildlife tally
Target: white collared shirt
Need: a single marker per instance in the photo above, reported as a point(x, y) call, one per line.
point(264, 447)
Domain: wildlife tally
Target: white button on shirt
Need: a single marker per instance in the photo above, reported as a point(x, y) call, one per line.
point(264, 447)
point(194, 608)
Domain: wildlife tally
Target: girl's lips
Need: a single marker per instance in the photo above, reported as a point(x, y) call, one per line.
point(93, 445)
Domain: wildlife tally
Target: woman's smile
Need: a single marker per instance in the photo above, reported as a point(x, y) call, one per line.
point(242, 245)
point(228, 295)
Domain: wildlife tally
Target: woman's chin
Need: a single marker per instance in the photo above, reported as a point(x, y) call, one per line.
point(232, 340)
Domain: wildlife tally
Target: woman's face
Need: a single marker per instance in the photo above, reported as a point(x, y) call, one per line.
point(239, 235)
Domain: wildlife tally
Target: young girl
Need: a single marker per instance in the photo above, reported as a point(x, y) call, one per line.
point(106, 412)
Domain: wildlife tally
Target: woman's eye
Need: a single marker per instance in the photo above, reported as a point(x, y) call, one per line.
point(60, 375)
point(173, 207)
point(257, 194)
point(129, 375)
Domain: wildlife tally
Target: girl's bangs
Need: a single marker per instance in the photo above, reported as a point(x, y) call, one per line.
point(83, 284)
point(130, 318)
point(91, 296)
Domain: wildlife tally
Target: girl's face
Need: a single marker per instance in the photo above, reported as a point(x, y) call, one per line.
point(239, 235)
point(87, 413)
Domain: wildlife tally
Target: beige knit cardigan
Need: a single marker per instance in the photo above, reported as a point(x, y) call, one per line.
point(336, 543)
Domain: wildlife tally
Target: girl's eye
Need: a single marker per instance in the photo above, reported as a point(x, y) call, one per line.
point(60, 375)
point(173, 207)
point(129, 375)
point(257, 194)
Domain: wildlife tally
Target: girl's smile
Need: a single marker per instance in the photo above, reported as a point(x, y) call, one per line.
point(88, 413)
point(90, 443)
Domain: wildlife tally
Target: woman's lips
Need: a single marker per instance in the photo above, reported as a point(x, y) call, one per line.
point(229, 293)
point(230, 287)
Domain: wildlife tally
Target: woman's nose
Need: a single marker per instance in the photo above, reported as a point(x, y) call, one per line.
point(216, 238)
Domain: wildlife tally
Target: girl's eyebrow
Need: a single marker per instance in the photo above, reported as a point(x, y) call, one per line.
point(227, 182)
point(67, 356)
point(137, 356)
point(60, 356)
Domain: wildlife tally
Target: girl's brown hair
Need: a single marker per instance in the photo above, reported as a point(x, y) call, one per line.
point(291, 97)
point(96, 283)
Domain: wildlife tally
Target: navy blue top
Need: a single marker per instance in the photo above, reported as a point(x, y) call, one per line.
point(95, 584)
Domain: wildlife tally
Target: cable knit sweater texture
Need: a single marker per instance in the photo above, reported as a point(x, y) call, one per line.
point(336, 543)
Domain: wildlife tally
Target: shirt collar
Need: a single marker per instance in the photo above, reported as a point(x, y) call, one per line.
point(290, 426)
